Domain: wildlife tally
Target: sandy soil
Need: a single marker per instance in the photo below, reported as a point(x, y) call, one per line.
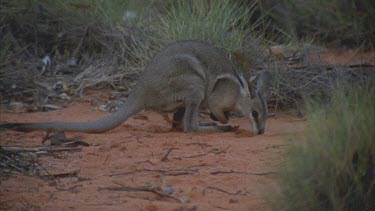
point(204, 170)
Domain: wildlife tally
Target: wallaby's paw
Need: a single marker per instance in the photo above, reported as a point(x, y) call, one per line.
point(227, 128)
point(213, 117)
point(207, 124)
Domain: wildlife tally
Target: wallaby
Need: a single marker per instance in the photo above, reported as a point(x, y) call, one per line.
point(185, 77)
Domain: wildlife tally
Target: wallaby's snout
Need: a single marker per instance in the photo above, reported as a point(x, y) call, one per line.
point(260, 131)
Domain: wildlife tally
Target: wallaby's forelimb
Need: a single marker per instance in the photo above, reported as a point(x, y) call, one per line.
point(190, 121)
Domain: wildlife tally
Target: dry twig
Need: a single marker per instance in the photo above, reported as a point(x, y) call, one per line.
point(176, 172)
point(165, 157)
point(204, 154)
point(240, 172)
point(155, 190)
point(62, 174)
point(226, 192)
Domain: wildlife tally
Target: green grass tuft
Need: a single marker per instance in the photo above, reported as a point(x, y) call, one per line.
point(224, 23)
point(332, 168)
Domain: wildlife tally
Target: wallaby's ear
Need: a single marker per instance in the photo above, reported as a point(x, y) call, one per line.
point(251, 87)
point(264, 82)
point(252, 78)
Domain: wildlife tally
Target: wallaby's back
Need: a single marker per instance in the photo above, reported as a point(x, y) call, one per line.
point(183, 67)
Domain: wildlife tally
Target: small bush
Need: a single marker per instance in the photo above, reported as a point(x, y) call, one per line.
point(333, 167)
point(347, 23)
point(222, 23)
point(96, 34)
point(292, 85)
point(65, 27)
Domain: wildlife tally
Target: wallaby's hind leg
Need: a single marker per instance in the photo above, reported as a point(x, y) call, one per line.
point(178, 116)
point(211, 126)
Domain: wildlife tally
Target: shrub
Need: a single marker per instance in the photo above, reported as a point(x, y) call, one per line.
point(348, 23)
point(93, 33)
point(332, 167)
point(223, 23)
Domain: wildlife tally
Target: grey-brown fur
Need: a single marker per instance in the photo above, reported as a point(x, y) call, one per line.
point(187, 74)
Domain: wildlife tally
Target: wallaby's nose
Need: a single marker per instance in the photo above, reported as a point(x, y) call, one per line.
point(261, 131)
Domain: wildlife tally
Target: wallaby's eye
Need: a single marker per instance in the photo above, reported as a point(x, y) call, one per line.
point(255, 114)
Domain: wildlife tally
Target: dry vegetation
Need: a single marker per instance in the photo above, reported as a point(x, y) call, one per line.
point(332, 167)
point(53, 50)
point(50, 49)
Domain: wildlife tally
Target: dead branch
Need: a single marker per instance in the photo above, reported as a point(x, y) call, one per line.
point(106, 159)
point(62, 174)
point(222, 208)
point(39, 150)
point(240, 172)
point(59, 139)
point(276, 146)
point(331, 67)
point(68, 189)
point(19, 149)
point(176, 172)
point(31, 169)
point(204, 154)
point(46, 137)
point(226, 192)
point(155, 190)
point(146, 161)
point(165, 157)
point(65, 150)
point(202, 145)
point(9, 163)
point(222, 151)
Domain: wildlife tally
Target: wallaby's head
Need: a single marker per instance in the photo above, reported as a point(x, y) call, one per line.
point(253, 103)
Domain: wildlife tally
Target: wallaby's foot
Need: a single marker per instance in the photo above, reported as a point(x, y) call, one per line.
point(178, 125)
point(213, 117)
point(225, 128)
point(207, 124)
point(219, 115)
point(179, 115)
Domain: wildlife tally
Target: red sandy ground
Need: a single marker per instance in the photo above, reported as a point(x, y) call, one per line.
point(124, 157)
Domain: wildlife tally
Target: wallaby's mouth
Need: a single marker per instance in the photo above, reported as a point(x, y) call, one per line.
point(260, 132)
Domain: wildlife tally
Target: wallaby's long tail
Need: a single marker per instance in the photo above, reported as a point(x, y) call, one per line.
point(130, 107)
